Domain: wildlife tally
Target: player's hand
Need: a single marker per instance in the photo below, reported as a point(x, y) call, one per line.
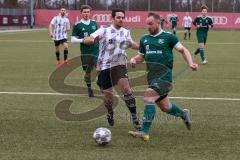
point(194, 66)
point(133, 62)
point(88, 40)
point(51, 35)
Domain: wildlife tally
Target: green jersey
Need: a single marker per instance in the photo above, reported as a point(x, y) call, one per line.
point(204, 23)
point(174, 20)
point(158, 54)
point(82, 29)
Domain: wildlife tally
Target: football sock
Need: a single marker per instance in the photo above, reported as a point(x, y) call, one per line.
point(185, 35)
point(174, 32)
point(176, 111)
point(131, 104)
point(88, 81)
point(65, 54)
point(197, 51)
point(189, 35)
point(58, 55)
point(149, 113)
point(108, 105)
point(202, 54)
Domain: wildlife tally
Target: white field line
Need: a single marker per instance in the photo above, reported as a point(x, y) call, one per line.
point(48, 41)
point(22, 30)
point(85, 95)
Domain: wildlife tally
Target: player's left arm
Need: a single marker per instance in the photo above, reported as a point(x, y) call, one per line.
point(133, 44)
point(68, 26)
point(210, 23)
point(186, 56)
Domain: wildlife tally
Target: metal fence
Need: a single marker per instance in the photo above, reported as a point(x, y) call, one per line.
point(145, 5)
point(132, 5)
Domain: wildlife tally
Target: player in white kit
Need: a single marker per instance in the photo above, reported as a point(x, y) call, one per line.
point(187, 24)
point(112, 63)
point(58, 28)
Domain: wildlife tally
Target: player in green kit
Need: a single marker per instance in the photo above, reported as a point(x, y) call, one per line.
point(174, 21)
point(162, 21)
point(203, 23)
point(156, 49)
point(89, 53)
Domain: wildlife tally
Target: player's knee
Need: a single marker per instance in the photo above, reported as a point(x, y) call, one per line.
point(163, 106)
point(126, 90)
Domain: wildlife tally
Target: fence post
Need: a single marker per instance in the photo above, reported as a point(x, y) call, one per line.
point(149, 5)
point(212, 5)
point(170, 6)
point(31, 10)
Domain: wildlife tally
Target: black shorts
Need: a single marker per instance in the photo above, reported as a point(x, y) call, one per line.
point(109, 77)
point(187, 28)
point(88, 62)
point(57, 43)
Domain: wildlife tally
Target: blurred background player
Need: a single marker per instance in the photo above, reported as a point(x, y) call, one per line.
point(203, 23)
point(58, 28)
point(112, 63)
point(187, 24)
point(89, 53)
point(174, 21)
point(162, 21)
point(156, 49)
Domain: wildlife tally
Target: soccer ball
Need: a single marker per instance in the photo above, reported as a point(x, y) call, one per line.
point(102, 136)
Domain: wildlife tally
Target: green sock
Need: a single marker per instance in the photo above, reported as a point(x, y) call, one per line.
point(197, 51)
point(176, 111)
point(149, 113)
point(202, 54)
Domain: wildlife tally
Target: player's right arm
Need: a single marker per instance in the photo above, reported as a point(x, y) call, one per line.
point(195, 22)
point(94, 37)
point(140, 56)
point(136, 59)
point(51, 27)
point(75, 38)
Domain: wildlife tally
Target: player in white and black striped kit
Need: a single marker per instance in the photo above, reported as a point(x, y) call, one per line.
point(58, 28)
point(187, 24)
point(112, 63)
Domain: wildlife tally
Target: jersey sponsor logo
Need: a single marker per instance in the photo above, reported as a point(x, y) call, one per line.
point(220, 20)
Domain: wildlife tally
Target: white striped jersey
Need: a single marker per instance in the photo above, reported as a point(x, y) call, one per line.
point(187, 21)
point(61, 24)
point(113, 45)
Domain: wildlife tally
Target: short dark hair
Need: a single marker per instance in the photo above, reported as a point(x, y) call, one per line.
point(117, 10)
point(204, 7)
point(85, 7)
point(154, 15)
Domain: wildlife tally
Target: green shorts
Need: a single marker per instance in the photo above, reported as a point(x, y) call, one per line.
point(174, 26)
point(88, 62)
point(161, 83)
point(202, 37)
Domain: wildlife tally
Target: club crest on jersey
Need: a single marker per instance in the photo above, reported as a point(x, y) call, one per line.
point(147, 47)
point(161, 41)
point(113, 31)
point(145, 41)
point(94, 27)
point(85, 34)
point(83, 29)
